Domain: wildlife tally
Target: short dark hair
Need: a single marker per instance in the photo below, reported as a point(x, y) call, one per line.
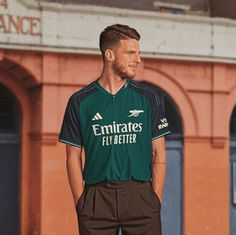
point(112, 34)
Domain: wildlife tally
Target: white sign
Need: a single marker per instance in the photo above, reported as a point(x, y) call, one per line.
point(47, 26)
point(16, 23)
point(4, 3)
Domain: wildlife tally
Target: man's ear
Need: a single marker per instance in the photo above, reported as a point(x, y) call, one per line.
point(109, 55)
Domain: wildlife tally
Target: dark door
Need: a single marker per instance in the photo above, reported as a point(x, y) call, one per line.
point(233, 173)
point(171, 211)
point(9, 163)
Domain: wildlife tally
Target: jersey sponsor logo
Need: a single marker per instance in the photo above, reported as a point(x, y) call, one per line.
point(119, 139)
point(135, 113)
point(163, 124)
point(117, 133)
point(116, 128)
point(97, 116)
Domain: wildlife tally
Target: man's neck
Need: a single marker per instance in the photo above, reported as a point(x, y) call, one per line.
point(111, 82)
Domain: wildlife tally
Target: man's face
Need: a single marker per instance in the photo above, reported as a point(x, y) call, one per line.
point(126, 58)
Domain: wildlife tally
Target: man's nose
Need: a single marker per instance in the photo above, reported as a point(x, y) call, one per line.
point(137, 59)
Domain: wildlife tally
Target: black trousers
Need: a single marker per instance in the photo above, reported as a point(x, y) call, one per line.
point(132, 205)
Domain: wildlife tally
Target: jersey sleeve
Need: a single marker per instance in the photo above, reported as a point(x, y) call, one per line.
point(70, 130)
point(160, 125)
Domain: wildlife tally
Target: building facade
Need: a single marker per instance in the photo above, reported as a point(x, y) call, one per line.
point(50, 50)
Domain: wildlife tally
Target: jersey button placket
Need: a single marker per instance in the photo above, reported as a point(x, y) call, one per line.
point(113, 119)
point(113, 106)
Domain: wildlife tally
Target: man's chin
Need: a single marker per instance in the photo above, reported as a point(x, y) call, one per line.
point(128, 75)
point(131, 75)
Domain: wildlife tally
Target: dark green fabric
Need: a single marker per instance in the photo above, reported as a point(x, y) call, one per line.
point(116, 132)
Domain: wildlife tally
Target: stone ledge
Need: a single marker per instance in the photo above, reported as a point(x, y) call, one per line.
point(216, 141)
point(44, 138)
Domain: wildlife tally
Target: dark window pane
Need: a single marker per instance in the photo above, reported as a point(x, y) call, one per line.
point(233, 122)
point(5, 107)
point(9, 116)
point(5, 123)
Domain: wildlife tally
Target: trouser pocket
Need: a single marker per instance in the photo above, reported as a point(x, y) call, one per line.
point(155, 196)
point(79, 204)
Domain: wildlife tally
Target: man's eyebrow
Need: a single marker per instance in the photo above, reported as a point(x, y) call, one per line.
point(133, 51)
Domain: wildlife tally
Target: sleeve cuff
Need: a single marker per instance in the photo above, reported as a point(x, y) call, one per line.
point(67, 142)
point(160, 135)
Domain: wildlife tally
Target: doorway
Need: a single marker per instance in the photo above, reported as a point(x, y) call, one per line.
point(9, 163)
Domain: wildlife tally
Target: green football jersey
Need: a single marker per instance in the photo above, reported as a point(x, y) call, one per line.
point(116, 131)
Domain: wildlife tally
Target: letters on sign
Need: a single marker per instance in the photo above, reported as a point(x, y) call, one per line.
point(4, 3)
point(25, 25)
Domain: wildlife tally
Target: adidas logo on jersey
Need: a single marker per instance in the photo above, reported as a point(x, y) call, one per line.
point(97, 116)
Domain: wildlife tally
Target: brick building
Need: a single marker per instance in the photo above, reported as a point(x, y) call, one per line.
point(49, 49)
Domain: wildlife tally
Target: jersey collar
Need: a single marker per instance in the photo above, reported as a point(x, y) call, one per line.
point(121, 90)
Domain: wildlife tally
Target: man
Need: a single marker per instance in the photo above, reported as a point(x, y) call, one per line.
point(120, 124)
